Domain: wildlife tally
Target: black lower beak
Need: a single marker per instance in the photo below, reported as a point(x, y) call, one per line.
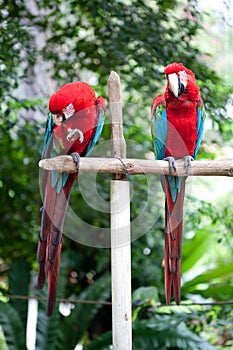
point(180, 87)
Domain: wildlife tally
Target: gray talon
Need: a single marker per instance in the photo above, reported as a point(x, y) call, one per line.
point(187, 163)
point(172, 164)
point(76, 158)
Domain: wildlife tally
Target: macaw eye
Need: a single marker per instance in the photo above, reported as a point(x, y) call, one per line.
point(58, 118)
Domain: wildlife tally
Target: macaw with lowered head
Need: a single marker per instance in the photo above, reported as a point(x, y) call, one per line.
point(74, 125)
point(177, 128)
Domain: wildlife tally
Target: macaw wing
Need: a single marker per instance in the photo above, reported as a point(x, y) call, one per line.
point(200, 124)
point(159, 135)
point(159, 126)
point(58, 180)
point(98, 130)
point(52, 149)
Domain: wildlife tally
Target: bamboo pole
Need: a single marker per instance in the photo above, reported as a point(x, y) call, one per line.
point(221, 167)
point(120, 228)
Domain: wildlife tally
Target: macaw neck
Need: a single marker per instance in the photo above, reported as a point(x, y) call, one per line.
point(182, 123)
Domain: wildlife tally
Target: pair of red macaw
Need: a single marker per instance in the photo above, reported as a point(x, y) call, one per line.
point(74, 125)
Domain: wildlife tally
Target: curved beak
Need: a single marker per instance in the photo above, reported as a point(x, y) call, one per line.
point(173, 82)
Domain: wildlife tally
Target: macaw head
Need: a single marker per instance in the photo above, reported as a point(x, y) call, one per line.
point(178, 78)
point(70, 99)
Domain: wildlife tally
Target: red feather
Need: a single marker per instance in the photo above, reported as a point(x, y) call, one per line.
point(85, 119)
point(181, 141)
point(173, 241)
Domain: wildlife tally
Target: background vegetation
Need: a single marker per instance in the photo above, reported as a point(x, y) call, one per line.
point(46, 44)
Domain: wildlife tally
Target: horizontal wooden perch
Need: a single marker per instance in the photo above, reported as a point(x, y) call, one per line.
point(65, 164)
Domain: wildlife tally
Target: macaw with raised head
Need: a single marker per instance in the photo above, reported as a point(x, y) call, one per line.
point(177, 128)
point(74, 125)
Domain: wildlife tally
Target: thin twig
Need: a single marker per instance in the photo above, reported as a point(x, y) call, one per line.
point(61, 300)
point(109, 303)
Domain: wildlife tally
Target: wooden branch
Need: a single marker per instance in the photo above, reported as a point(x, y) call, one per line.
point(221, 167)
point(115, 109)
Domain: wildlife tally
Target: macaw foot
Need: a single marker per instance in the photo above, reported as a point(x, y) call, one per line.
point(76, 158)
point(187, 163)
point(172, 164)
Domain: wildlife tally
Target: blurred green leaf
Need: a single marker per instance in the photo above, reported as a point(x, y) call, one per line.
point(19, 279)
point(103, 342)
point(145, 295)
point(195, 248)
point(165, 332)
point(220, 272)
point(83, 314)
point(12, 327)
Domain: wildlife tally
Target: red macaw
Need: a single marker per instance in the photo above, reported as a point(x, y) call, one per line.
point(74, 125)
point(177, 128)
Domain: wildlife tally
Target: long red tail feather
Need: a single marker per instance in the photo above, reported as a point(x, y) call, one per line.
point(173, 242)
point(53, 274)
point(50, 242)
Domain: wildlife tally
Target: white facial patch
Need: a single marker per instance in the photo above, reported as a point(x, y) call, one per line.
point(68, 111)
point(183, 77)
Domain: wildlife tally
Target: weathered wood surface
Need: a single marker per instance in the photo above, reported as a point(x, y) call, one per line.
point(221, 167)
point(121, 265)
point(118, 143)
point(120, 227)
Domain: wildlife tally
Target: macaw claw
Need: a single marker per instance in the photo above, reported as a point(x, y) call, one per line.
point(172, 164)
point(74, 134)
point(76, 158)
point(187, 163)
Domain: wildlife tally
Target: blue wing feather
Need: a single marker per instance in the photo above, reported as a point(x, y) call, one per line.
point(160, 131)
point(99, 127)
point(200, 125)
point(58, 180)
point(48, 133)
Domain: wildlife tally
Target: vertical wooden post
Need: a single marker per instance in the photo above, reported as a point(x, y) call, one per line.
point(115, 108)
point(120, 229)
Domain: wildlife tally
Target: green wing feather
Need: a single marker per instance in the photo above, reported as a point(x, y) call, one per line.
point(159, 127)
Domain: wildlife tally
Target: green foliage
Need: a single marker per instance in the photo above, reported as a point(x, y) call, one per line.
point(12, 327)
point(19, 280)
point(74, 327)
point(143, 296)
point(47, 335)
point(17, 56)
point(103, 342)
point(162, 331)
point(19, 190)
point(136, 39)
point(166, 332)
point(83, 314)
point(221, 272)
point(208, 272)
